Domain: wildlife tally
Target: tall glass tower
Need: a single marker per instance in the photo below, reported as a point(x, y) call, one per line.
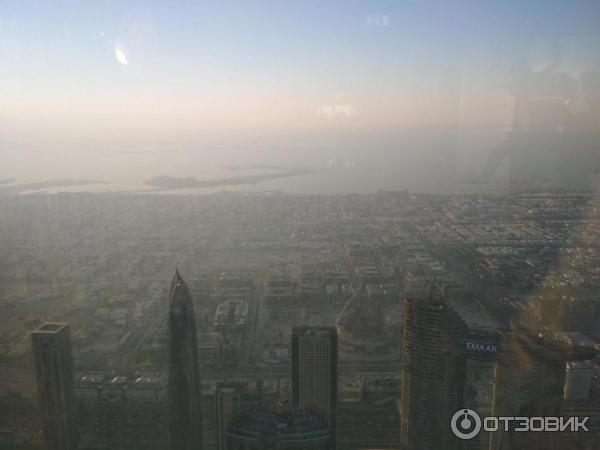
point(432, 373)
point(314, 371)
point(55, 389)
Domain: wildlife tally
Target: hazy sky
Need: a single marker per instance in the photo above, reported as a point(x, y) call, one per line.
point(102, 71)
point(266, 65)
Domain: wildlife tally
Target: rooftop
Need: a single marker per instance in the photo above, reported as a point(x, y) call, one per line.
point(306, 330)
point(51, 327)
point(474, 315)
point(585, 364)
point(573, 338)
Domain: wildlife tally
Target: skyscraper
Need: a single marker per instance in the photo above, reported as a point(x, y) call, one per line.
point(530, 382)
point(184, 377)
point(479, 335)
point(314, 370)
point(55, 385)
point(432, 372)
point(578, 379)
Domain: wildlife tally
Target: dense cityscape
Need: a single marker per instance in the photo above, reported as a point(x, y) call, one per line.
point(290, 321)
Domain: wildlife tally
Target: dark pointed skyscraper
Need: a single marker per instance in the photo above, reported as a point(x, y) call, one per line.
point(184, 377)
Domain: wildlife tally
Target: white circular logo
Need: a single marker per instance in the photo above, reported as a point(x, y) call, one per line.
point(465, 424)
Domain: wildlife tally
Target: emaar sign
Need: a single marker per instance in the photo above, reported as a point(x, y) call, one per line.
point(481, 347)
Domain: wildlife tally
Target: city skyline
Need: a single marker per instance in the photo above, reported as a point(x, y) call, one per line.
point(445, 332)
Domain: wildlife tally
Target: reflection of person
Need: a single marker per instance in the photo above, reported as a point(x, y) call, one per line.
point(554, 137)
point(582, 135)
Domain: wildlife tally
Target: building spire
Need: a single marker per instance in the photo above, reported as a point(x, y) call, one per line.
point(179, 294)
